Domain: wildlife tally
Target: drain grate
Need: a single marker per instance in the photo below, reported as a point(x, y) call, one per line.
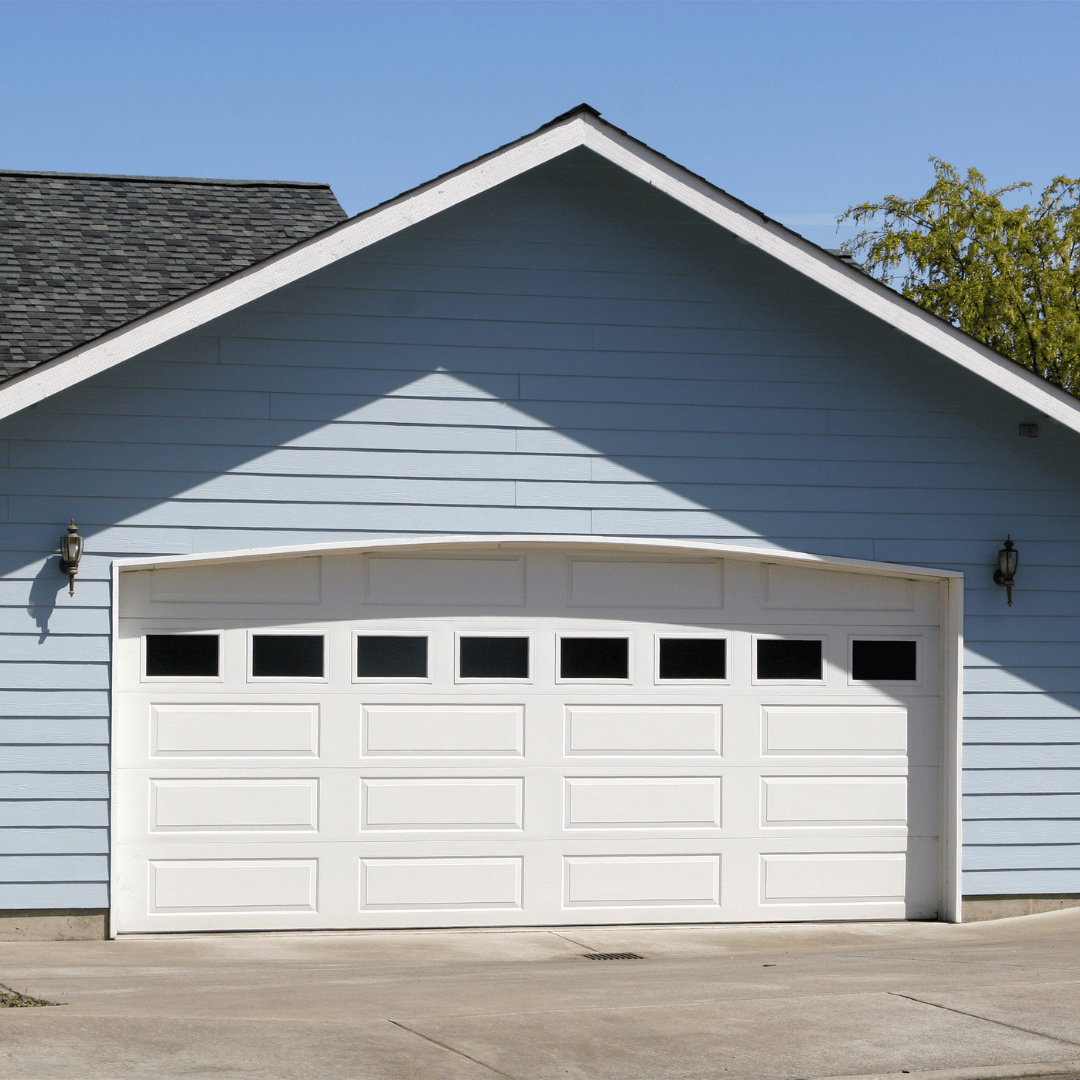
point(612, 956)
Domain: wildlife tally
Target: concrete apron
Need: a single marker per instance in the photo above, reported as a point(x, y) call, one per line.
point(867, 1000)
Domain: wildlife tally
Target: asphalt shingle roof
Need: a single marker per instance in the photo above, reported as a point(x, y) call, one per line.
point(81, 255)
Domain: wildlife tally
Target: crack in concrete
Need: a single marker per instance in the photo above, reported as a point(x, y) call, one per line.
point(579, 944)
point(987, 1019)
point(452, 1049)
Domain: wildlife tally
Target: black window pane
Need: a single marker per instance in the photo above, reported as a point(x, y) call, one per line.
point(391, 656)
point(693, 658)
point(194, 655)
point(886, 661)
point(778, 658)
point(494, 657)
point(287, 656)
point(594, 658)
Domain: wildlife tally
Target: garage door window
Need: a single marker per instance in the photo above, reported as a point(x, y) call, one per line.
point(287, 656)
point(692, 659)
point(392, 656)
point(594, 658)
point(789, 659)
point(497, 657)
point(882, 660)
point(182, 655)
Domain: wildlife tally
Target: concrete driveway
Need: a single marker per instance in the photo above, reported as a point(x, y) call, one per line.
point(998, 999)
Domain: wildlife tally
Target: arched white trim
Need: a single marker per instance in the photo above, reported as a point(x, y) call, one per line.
point(733, 551)
point(952, 625)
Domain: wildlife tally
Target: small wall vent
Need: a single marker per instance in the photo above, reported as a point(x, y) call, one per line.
point(612, 956)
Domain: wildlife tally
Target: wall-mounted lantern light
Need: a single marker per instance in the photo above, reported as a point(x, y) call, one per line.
point(1008, 558)
point(71, 549)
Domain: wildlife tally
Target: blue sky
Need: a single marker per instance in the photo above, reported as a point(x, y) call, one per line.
point(799, 108)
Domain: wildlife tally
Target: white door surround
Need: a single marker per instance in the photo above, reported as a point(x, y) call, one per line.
point(570, 730)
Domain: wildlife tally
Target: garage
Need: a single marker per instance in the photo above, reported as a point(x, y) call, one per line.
point(529, 733)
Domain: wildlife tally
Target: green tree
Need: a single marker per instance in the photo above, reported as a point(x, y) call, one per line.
point(1008, 276)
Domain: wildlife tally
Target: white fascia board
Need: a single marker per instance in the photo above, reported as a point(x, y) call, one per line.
point(818, 265)
point(514, 540)
point(579, 129)
point(242, 288)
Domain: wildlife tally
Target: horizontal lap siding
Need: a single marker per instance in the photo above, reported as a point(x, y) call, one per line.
point(571, 354)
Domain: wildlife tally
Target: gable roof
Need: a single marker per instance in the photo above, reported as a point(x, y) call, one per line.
point(580, 127)
point(81, 255)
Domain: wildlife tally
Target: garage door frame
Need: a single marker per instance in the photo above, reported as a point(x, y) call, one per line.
point(952, 592)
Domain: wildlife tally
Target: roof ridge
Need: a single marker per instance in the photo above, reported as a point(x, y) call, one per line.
point(164, 179)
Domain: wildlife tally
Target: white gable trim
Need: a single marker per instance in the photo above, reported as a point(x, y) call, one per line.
point(579, 128)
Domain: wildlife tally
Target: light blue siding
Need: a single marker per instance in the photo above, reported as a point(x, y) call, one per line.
point(1021, 882)
point(1019, 832)
point(52, 729)
point(1044, 706)
point(569, 353)
point(54, 841)
point(1055, 755)
point(244, 488)
point(26, 868)
point(59, 894)
point(45, 701)
point(1019, 807)
point(1037, 732)
point(54, 785)
point(59, 676)
point(52, 812)
point(1022, 781)
point(34, 758)
point(1026, 856)
point(56, 648)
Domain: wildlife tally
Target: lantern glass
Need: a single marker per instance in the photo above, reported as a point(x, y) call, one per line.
point(71, 548)
point(1007, 561)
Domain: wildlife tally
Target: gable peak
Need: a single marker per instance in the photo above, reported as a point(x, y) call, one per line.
point(577, 110)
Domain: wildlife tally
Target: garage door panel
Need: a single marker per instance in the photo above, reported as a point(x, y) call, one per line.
point(227, 885)
point(677, 584)
point(833, 801)
point(642, 881)
point(427, 730)
point(644, 730)
point(833, 731)
point(175, 730)
point(442, 582)
point(845, 734)
point(228, 731)
point(822, 877)
point(444, 883)
point(795, 588)
point(223, 806)
point(642, 802)
point(442, 803)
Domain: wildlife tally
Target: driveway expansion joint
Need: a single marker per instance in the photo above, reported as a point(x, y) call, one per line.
point(452, 1049)
point(989, 1020)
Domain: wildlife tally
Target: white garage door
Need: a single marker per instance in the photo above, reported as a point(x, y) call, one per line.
point(523, 736)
